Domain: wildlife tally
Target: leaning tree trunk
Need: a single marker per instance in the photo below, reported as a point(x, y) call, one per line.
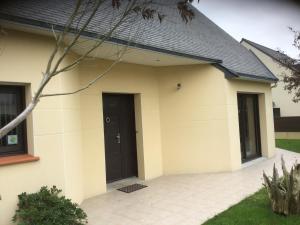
point(284, 192)
point(29, 108)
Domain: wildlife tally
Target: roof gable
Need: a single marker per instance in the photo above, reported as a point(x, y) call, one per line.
point(275, 55)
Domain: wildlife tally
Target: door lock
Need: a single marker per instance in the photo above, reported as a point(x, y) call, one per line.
point(118, 138)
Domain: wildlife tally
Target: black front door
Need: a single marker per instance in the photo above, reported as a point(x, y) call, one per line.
point(120, 139)
point(249, 126)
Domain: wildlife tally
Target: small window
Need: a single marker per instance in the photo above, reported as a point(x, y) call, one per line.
point(12, 103)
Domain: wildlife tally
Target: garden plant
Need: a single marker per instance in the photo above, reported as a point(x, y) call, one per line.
point(284, 192)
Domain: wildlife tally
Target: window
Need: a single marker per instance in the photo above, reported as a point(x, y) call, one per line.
point(12, 102)
point(276, 112)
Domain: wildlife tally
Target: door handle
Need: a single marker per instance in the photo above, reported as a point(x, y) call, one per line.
point(118, 138)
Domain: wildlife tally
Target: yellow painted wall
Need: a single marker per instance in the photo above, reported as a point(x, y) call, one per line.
point(191, 130)
point(52, 130)
point(124, 78)
point(193, 120)
point(199, 122)
point(265, 113)
point(72, 136)
point(281, 97)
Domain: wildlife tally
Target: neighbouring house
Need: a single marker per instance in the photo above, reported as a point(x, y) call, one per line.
point(286, 112)
point(187, 98)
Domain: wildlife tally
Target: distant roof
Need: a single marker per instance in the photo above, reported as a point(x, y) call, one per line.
point(200, 39)
point(276, 55)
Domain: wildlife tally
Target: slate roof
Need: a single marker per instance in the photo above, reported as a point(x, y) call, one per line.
point(200, 39)
point(276, 55)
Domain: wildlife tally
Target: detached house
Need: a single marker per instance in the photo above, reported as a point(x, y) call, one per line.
point(286, 112)
point(187, 98)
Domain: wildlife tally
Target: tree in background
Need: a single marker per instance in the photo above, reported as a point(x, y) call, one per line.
point(292, 81)
point(126, 12)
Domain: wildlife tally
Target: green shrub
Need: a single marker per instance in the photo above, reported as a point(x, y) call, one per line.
point(47, 207)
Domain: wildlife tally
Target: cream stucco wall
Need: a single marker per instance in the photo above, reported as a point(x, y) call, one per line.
point(193, 120)
point(265, 113)
point(124, 78)
point(281, 97)
point(199, 122)
point(191, 130)
point(53, 127)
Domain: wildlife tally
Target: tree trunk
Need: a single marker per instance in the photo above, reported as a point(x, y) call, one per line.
point(19, 119)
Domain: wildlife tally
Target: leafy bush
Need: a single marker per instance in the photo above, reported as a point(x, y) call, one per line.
point(47, 207)
point(284, 192)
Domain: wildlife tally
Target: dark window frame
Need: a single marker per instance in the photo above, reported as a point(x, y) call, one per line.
point(22, 147)
point(257, 127)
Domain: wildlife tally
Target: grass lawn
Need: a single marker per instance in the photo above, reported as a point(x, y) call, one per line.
point(292, 145)
point(254, 210)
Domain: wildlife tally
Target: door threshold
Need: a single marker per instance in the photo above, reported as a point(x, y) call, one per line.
point(122, 183)
point(253, 162)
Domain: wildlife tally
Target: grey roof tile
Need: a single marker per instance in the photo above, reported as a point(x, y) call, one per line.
point(200, 38)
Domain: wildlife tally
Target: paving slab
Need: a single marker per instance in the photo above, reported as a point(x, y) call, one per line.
point(181, 199)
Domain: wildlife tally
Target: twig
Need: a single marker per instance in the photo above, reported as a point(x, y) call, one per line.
point(92, 82)
point(98, 44)
point(53, 32)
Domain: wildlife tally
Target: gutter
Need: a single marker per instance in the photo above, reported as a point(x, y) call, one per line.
point(230, 74)
point(244, 76)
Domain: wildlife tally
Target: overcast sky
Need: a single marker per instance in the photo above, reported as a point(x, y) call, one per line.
point(261, 21)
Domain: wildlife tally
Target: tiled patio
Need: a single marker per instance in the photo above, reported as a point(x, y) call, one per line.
point(182, 199)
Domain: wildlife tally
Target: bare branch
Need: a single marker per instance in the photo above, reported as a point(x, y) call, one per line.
point(292, 78)
point(92, 82)
point(77, 36)
point(98, 44)
point(62, 35)
point(54, 33)
point(72, 27)
point(89, 84)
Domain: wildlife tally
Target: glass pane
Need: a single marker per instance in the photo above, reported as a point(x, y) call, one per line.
point(8, 111)
point(250, 140)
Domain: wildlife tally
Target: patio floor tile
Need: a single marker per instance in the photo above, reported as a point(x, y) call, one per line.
point(181, 199)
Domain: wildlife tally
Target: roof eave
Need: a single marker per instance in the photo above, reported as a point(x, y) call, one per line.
point(35, 24)
point(227, 72)
point(243, 76)
point(230, 74)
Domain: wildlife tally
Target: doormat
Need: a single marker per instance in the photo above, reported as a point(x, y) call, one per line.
point(132, 188)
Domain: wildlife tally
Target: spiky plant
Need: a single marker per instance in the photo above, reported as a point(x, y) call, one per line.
point(284, 192)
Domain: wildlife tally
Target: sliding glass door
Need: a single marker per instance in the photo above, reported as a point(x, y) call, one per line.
point(249, 126)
